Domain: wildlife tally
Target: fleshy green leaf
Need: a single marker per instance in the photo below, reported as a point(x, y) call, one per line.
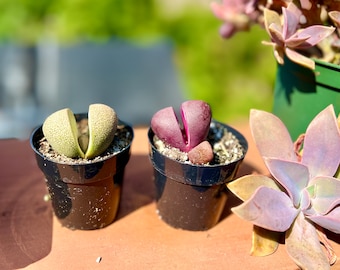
point(244, 187)
point(302, 244)
point(269, 209)
point(61, 132)
point(322, 143)
point(102, 121)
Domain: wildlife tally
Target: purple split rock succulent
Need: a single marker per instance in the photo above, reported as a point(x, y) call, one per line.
point(189, 136)
point(304, 195)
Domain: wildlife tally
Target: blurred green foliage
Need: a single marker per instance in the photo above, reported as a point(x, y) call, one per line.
point(232, 75)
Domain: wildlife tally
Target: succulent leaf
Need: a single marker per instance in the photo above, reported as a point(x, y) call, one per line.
point(264, 242)
point(244, 187)
point(267, 130)
point(201, 154)
point(325, 193)
point(196, 118)
point(300, 59)
point(303, 246)
point(292, 176)
point(102, 121)
point(269, 209)
point(60, 130)
point(330, 221)
point(321, 147)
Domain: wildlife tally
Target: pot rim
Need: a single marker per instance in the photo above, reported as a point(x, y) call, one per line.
point(33, 141)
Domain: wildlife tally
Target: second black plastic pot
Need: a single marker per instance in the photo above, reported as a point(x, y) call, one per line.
point(192, 197)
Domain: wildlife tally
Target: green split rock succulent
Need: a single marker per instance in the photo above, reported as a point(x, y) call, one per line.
point(66, 136)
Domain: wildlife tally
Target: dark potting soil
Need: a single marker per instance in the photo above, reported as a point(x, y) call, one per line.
point(121, 140)
point(226, 147)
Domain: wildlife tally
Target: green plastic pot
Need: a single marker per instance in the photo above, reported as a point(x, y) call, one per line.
point(300, 93)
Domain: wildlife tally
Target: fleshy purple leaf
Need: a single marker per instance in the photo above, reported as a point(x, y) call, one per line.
point(196, 118)
point(324, 193)
point(269, 209)
point(330, 221)
point(271, 136)
point(292, 176)
point(322, 143)
point(164, 124)
point(291, 22)
point(302, 244)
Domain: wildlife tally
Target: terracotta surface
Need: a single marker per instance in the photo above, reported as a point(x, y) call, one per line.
point(31, 237)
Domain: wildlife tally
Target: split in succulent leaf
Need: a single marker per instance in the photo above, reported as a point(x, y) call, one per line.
point(64, 135)
point(196, 118)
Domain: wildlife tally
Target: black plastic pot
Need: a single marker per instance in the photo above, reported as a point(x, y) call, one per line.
point(192, 197)
point(84, 196)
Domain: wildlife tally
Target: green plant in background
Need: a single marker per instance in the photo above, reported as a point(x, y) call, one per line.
point(217, 71)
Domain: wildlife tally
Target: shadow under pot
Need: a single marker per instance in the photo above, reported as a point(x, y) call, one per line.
point(86, 195)
point(193, 197)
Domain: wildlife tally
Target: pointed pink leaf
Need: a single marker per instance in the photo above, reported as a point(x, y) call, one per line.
point(269, 209)
point(330, 221)
point(322, 143)
point(293, 176)
point(303, 246)
point(300, 59)
point(325, 194)
point(271, 136)
point(276, 34)
point(290, 24)
point(295, 42)
point(316, 33)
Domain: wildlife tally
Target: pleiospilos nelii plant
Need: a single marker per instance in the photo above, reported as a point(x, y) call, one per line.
point(304, 196)
point(191, 135)
point(71, 139)
point(193, 159)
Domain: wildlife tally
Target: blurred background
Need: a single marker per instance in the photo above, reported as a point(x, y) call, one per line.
point(136, 56)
